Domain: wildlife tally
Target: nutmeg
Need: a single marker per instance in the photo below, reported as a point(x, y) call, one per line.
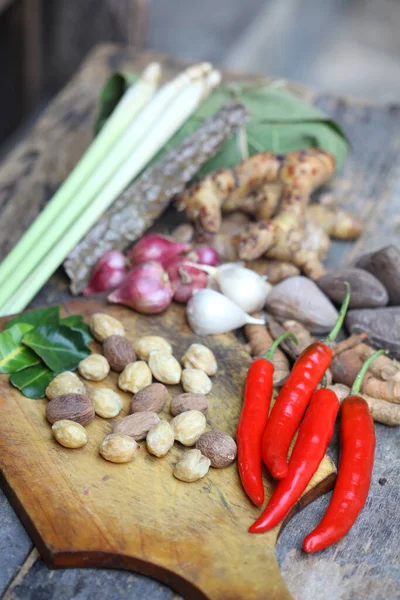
point(137, 425)
point(218, 446)
point(74, 407)
point(189, 401)
point(150, 398)
point(119, 352)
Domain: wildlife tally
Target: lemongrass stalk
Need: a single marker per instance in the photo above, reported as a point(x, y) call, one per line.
point(132, 102)
point(173, 118)
point(124, 147)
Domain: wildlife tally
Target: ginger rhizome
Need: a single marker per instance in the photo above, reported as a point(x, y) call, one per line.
point(275, 190)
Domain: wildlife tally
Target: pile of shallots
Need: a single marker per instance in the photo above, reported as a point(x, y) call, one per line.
point(158, 270)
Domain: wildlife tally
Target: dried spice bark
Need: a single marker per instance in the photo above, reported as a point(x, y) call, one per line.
point(147, 198)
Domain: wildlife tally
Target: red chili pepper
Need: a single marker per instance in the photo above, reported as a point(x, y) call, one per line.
point(355, 469)
point(294, 397)
point(257, 398)
point(315, 433)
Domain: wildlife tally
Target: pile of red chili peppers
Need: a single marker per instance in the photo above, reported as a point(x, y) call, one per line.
point(267, 439)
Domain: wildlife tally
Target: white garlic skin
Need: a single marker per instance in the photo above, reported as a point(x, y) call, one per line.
point(209, 313)
point(244, 287)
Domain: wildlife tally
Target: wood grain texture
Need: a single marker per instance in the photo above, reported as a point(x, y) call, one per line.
point(82, 511)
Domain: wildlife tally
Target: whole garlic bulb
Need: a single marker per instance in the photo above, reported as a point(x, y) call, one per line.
point(209, 313)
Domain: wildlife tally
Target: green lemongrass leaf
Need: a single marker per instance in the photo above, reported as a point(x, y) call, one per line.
point(13, 355)
point(32, 382)
point(60, 347)
point(37, 317)
point(77, 323)
point(112, 92)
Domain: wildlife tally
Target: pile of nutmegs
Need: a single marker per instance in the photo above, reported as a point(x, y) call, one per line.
point(72, 406)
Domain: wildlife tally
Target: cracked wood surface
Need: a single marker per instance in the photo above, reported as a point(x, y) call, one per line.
point(366, 563)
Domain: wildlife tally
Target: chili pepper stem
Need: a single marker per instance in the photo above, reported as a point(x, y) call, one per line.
point(342, 313)
point(269, 355)
point(361, 374)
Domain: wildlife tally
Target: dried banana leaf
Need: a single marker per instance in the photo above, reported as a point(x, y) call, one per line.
point(149, 195)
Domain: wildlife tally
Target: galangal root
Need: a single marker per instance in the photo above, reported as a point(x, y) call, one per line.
point(276, 189)
point(381, 410)
point(260, 341)
point(345, 367)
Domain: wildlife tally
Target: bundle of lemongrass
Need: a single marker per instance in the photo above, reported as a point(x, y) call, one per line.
point(144, 120)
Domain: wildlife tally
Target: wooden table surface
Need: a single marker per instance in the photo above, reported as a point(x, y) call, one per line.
point(366, 564)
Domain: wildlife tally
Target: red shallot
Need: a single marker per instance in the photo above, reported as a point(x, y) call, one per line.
point(147, 289)
point(155, 247)
point(205, 255)
point(185, 278)
point(108, 273)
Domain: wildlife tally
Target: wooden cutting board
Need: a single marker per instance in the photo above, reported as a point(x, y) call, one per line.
point(83, 511)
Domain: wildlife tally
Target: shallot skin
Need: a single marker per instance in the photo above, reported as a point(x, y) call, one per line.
point(205, 255)
point(155, 247)
point(108, 273)
point(147, 289)
point(185, 278)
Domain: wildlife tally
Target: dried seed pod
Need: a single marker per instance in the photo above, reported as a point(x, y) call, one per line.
point(69, 434)
point(301, 299)
point(160, 439)
point(137, 425)
point(385, 266)
point(381, 324)
point(218, 446)
point(192, 466)
point(366, 290)
point(150, 399)
point(165, 367)
point(147, 344)
point(189, 426)
point(73, 407)
point(65, 383)
point(94, 368)
point(119, 352)
point(200, 357)
point(118, 448)
point(106, 402)
point(189, 401)
point(134, 377)
point(103, 326)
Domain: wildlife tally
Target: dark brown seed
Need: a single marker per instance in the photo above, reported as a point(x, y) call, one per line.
point(218, 446)
point(75, 407)
point(150, 398)
point(189, 401)
point(119, 352)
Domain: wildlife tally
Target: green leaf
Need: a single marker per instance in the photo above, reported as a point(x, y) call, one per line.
point(37, 317)
point(60, 347)
point(77, 323)
point(13, 355)
point(32, 382)
point(279, 122)
point(112, 92)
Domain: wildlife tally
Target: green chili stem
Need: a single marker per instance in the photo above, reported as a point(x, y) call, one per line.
point(342, 313)
point(269, 355)
point(360, 376)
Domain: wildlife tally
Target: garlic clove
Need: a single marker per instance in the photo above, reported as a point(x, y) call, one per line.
point(209, 313)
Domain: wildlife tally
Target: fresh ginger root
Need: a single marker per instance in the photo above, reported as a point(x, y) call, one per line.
point(275, 189)
point(274, 270)
point(345, 368)
point(260, 341)
point(381, 411)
